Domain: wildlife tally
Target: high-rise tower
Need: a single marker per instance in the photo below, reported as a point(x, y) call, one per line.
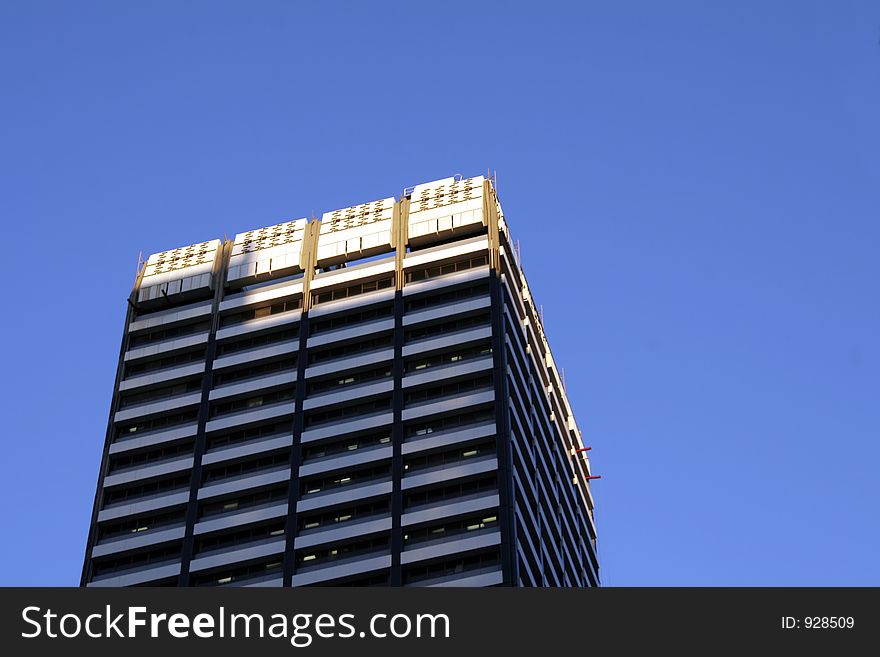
point(368, 399)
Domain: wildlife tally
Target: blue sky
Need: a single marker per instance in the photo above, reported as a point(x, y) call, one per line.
point(695, 186)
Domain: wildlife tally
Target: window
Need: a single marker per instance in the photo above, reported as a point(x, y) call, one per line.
point(242, 537)
point(245, 435)
point(162, 334)
point(158, 394)
point(141, 368)
point(225, 377)
point(133, 526)
point(339, 480)
point(244, 468)
point(137, 560)
point(150, 456)
point(448, 390)
point(261, 311)
point(263, 340)
point(252, 500)
point(155, 424)
point(347, 445)
point(244, 573)
point(345, 380)
point(249, 403)
point(155, 487)
point(450, 296)
point(351, 319)
point(453, 326)
point(450, 422)
point(342, 412)
point(452, 567)
point(447, 268)
point(452, 456)
point(313, 556)
point(448, 358)
point(487, 519)
point(353, 290)
point(330, 518)
point(364, 346)
point(450, 492)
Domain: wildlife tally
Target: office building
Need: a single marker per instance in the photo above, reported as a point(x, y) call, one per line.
point(362, 400)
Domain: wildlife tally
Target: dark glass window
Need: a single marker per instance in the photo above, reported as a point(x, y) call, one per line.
point(262, 340)
point(311, 451)
point(261, 311)
point(447, 529)
point(341, 412)
point(236, 405)
point(130, 430)
point(329, 518)
point(354, 290)
point(450, 296)
point(341, 351)
point(341, 381)
point(452, 456)
point(351, 319)
point(448, 358)
point(339, 480)
point(452, 326)
point(446, 268)
point(162, 334)
point(448, 390)
point(241, 502)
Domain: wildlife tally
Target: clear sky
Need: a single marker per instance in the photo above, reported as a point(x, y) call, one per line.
point(696, 187)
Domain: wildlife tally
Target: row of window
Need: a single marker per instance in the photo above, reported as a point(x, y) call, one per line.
point(140, 490)
point(450, 296)
point(276, 528)
point(448, 358)
point(335, 517)
point(449, 422)
point(145, 367)
point(353, 290)
point(225, 377)
point(248, 403)
point(261, 311)
point(351, 319)
point(315, 556)
point(334, 414)
point(159, 394)
point(351, 349)
point(263, 340)
point(444, 390)
point(240, 436)
point(434, 271)
point(240, 537)
point(451, 567)
point(418, 573)
point(347, 445)
point(133, 526)
point(247, 501)
point(339, 382)
point(450, 528)
point(339, 480)
point(168, 333)
point(242, 574)
point(456, 455)
point(141, 427)
point(244, 468)
point(138, 459)
point(131, 560)
point(445, 328)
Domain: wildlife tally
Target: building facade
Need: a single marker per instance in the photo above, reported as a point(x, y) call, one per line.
point(364, 400)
